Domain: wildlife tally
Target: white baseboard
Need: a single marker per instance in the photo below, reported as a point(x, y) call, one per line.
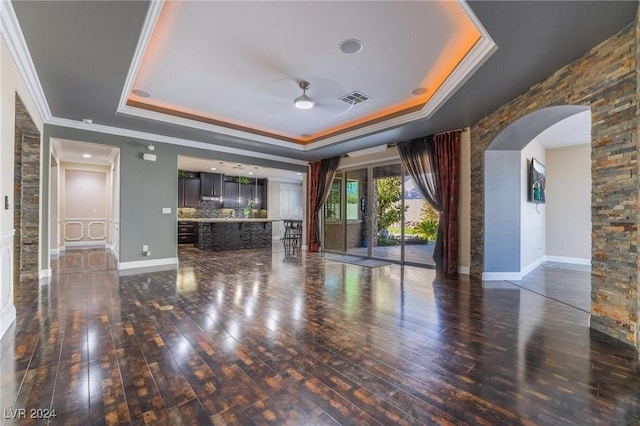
point(464, 270)
point(148, 263)
point(54, 253)
point(501, 276)
point(517, 276)
point(7, 318)
point(70, 244)
point(572, 260)
point(44, 273)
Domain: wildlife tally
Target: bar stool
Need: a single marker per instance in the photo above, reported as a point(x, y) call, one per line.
point(292, 239)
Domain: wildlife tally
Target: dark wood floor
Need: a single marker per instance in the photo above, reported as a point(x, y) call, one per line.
point(253, 337)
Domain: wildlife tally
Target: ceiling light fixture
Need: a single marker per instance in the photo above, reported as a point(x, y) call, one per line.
point(213, 168)
point(150, 147)
point(303, 101)
point(86, 155)
point(87, 121)
point(351, 46)
point(141, 93)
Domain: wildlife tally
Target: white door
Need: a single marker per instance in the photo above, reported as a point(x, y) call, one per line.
point(290, 203)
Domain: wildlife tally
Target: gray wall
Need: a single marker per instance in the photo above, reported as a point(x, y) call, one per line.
point(145, 188)
point(502, 201)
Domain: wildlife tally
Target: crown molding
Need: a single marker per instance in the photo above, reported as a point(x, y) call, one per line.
point(63, 122)
point(17, 45)
point(153, 13)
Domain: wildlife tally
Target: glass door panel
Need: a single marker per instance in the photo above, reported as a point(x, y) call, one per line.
point(386, 212)
point(420, 226)
point(333, 216)
point(357, 223)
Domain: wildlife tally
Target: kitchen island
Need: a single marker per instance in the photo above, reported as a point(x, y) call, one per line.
point(222, 234)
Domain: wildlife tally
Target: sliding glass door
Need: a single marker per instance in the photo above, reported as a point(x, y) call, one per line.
point(377, 212)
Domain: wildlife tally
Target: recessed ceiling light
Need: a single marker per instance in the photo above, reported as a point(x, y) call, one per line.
point(87, 121)
point(298, 174)
point(213, 168)
point(351, 46)
point(140, 93)
point(86, 155)
point(250, 173)
point(419, 91)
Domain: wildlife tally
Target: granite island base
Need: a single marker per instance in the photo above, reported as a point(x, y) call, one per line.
point(234, 234)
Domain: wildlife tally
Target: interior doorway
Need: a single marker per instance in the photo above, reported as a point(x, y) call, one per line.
point(84, 206)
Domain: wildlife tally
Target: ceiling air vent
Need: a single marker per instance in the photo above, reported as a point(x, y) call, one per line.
point(354, 98)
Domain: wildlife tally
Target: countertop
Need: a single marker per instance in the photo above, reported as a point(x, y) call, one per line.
point(226, 220)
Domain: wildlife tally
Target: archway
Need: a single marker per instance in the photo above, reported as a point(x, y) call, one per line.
point(504, 171)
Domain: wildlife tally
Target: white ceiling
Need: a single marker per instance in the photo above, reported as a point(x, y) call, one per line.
point(241, 62)
point(573, 130)
point(74, 152)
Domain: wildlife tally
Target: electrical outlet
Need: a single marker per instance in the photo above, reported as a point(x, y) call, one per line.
point(145, 248)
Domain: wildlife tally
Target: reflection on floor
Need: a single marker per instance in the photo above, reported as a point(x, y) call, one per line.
point(417, 254)
point(563, 282)
point(254, 337)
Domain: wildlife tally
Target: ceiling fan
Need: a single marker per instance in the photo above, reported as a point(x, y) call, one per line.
point(279, 96)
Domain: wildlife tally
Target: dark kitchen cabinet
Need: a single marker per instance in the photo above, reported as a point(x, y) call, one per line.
point(230, 195)
point(246, 192)
point(211, 185)
point(188, 192)
point(187, 232)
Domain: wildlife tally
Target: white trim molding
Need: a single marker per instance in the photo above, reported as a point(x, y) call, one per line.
point(464, 270)
point(72, 244)
point(44, 273)
point(12, 35)
point(571, 260)
point(501, 276)
point(7, 308)
point(148, 263)
point(479, 53)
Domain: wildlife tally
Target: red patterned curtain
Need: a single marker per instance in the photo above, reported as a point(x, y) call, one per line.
point(320, 179)
point(447, 156)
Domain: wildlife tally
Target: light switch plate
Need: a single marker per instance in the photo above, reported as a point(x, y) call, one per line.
point(166, 210)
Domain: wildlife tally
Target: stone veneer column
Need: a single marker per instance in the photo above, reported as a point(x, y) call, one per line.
point(606, 79)
point(27, 194)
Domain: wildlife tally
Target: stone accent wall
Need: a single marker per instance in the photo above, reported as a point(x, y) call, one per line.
point(26, 195)
point(606, 79)
point(234, 236)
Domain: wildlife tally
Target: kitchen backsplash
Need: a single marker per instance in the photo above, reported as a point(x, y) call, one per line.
point(210, 209)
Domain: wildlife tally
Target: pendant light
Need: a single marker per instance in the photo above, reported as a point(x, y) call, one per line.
point(303, 101)
point(256, 199)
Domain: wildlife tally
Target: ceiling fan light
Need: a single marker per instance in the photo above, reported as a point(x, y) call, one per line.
point(303, 102)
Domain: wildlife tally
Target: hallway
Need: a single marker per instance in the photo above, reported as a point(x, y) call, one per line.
point(249, 338)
